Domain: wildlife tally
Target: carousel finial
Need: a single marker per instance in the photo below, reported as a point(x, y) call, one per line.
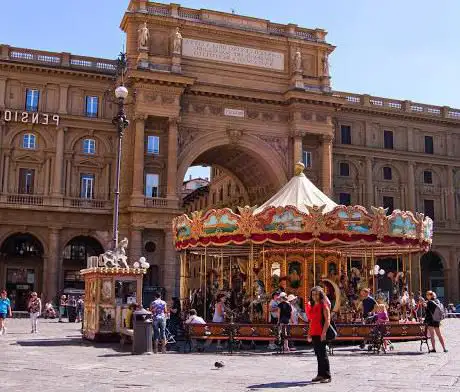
point(299, 168)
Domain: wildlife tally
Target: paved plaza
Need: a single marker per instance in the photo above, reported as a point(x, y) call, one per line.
point(57, 359)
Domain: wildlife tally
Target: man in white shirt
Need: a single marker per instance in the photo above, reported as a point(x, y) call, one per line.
point(194, 319)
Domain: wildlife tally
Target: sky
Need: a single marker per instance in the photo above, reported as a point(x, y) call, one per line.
point(401, 49)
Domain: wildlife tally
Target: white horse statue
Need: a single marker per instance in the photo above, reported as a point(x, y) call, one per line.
point(115, 258)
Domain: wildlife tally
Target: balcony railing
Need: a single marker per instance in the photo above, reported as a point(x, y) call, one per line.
point(57, 59)
point(398, 105)
point(41, 200)
point(31, 200)
point(87, 203)
point(159, 202)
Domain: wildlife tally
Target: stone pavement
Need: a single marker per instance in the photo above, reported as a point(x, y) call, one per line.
point(58, 360)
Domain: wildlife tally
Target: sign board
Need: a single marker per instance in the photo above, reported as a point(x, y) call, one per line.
point(232, 54)
point(233, 112)
point(9, 115)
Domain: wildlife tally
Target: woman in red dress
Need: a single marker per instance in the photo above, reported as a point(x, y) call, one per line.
point(319, 316)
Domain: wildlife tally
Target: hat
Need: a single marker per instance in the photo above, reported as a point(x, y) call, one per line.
point(283, 295)
point(291, 297)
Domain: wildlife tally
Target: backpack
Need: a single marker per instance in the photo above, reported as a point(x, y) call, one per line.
point(438, 314)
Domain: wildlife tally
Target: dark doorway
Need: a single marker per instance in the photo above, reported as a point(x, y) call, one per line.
point(433, 274)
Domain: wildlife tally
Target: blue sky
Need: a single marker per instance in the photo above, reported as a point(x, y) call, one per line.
point(403, 49)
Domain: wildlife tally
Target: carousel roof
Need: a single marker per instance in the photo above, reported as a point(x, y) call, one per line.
point(299, 192)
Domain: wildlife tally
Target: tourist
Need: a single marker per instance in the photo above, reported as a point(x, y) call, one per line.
point(273, 315)
point(5, 310)
point(382, 318)
point(159, 309)
point(194, 319)
point(219, 313)
point(433, 317)
point(368, 303)
point(35, 310)
point(128, 322)
point(80, 308)
point(284, 317)
point(175, 316)
point(62, 307)
point(319, 315)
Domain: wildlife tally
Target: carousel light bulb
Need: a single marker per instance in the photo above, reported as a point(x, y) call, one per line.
point(371, 272)
point(376, 267)
point(382, 272)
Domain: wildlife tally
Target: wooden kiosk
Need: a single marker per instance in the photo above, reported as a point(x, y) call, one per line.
point(108, 293)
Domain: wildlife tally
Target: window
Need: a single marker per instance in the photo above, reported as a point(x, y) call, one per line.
point(345, 133)
point(429, 208)
point(87, 186)
point(28, 141)
point(388, 202)
point(387, 174)
point(26, 181)
point(429, 147)
point(153, 144)
point(345, 199)
point(32, 96)
point(344, 169)
point(152, 182)
point(306, 159)
point(428, 177)
point(89, 146)
point(388, 140)
point(92, 106)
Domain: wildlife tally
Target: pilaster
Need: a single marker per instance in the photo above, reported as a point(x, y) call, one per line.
point(410, 187)
point(53, 266)
point(58, 163)
point(369, 183)
point(2, 91)
point(326, 164)
point(172, 159)
point(138, 164)
point(170, 265)
point(63, 96)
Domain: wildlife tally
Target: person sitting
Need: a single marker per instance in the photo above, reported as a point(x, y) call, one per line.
point(194, 319)
point(129, 316)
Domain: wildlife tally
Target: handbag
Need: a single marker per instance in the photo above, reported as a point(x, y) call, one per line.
point(331, 332)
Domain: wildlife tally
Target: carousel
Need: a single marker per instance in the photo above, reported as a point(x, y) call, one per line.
point(296, 240)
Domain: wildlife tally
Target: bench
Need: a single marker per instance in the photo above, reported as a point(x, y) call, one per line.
point(374, 334)
point(126, 334)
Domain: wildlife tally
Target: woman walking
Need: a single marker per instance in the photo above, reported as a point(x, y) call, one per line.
point(5, 310)
point(35, 309)
point(319, 314)
point(433, 319)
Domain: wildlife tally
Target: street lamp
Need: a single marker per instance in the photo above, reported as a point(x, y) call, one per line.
point(121, 122)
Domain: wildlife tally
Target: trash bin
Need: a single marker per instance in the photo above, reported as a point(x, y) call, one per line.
point(142, 334)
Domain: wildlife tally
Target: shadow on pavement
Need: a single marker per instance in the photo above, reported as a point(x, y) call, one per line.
point(60, 342)
point(280, 385)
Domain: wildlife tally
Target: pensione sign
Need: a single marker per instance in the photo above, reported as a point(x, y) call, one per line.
point(9, 115)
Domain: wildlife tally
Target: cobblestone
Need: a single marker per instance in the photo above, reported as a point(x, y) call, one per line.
point(57, 359)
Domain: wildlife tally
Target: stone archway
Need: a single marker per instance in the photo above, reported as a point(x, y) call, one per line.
point(432, 270)
point(21, 268)
point(253, 161)
point(74, 258)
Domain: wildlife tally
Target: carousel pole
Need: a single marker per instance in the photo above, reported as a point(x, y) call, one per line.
point(410, 272)
point(419, 273)
point(373, 268)
point(230, 273)
point(305, 274)
point(251, 280)
point(365, 266)
point(221, 268)
point(205, 284)
point(314, 264)
point(201, 271)
point(182, 283)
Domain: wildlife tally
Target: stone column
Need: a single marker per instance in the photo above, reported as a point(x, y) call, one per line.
point(58, 163)
point(135, 245)
point(6, 171)
point(450, 195)
point(53, 265)
point(411, 204)
point(170, 265)
point(139, 147)
point(63, 93)
point(326, 164)
point(47, 177)
point(453, 277)
point(2, 91)
point(68, 179)
point(369, 183)
point(297, 148)
point(171, 192)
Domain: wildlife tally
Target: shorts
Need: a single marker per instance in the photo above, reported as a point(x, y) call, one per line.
point(434, 324)
point(274, 320)
point(2, 316)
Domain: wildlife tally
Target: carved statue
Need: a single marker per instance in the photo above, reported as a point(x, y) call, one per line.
point(144, 36)
point(115, 258)
point(177, 44)
point(326, 65)
point(298, 61)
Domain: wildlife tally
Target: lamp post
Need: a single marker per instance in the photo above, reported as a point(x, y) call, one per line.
point(121, 122)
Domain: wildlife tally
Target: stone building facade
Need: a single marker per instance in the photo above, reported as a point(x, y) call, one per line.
point(238, 93)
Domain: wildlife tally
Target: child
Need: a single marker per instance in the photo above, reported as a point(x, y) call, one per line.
point(381, 319)
point(5, 310)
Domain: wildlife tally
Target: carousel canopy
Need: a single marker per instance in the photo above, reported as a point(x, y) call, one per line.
point(299, 192)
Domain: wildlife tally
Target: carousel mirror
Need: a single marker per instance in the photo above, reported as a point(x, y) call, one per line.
point(275, 274)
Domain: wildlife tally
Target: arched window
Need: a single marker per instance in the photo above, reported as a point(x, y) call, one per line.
point(29, 141)
point(89, 146)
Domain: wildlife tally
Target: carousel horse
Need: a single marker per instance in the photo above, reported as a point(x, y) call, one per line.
point(260, 297)
point(116, 257)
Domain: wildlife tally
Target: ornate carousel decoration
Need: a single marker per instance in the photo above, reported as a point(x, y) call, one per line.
point(297, 239)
